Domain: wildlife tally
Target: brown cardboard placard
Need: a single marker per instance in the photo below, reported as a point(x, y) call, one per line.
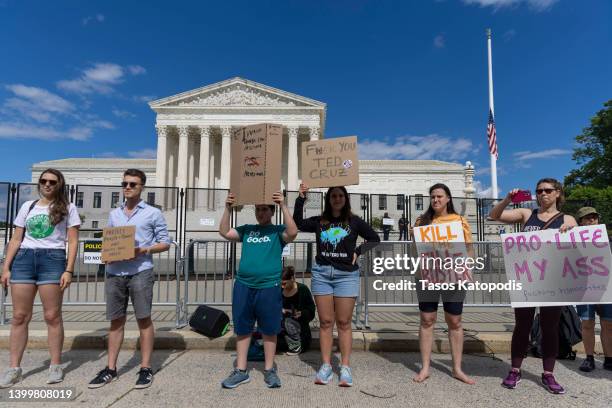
point(330, 162)
point(256, 163)
point(118, 243)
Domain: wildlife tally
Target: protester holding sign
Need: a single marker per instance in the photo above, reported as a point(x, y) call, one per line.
point(335, 274)
point(550, 197)
point(257, 288)
point(442, 211)
point(36, 261)
point(589, 216)
point(133, 278)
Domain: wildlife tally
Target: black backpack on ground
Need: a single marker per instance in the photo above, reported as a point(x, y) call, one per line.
point(570, 334)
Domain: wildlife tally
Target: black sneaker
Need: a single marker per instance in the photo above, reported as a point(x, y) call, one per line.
point(587, 365)
point(145, 378)
point(103, 377)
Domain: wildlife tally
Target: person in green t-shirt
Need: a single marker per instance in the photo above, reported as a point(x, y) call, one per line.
point(257, 290)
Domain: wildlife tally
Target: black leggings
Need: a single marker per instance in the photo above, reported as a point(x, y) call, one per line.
point(549, 322)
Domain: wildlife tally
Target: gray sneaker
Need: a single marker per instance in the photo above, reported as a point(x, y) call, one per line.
point(271, 378)
point(56, 374)
point(236, 378)
point(10, 377)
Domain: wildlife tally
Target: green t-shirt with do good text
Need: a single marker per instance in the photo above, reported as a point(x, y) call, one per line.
point(261, 257)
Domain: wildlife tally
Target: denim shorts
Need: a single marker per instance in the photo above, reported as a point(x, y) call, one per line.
point(327, 280)
point(251, 304)
point(39, 266)
point(587, 312)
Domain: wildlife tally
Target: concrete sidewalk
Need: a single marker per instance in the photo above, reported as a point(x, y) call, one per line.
point(487, 330)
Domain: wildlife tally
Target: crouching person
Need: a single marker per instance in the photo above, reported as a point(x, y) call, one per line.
point(257, 290)
point(298, 311)
point(133, 278)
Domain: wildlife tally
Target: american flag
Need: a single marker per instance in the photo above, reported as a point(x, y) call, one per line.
point(492, 135)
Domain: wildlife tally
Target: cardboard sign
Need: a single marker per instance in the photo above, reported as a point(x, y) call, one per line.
point(256, 163)
point(440, 245)
point(330, 162)
point(388, 221)
point(118, 243)
point(559, 269)
point(92, 251)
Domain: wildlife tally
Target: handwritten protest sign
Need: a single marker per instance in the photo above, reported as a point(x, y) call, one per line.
point(442, 246)
point(118, 243)
point(330, 162)
point(559, 269)
point(256, 163)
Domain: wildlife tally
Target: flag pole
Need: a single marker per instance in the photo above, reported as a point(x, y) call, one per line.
point(493, 158)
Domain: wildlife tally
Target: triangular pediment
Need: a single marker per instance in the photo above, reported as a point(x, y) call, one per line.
point(236, 92)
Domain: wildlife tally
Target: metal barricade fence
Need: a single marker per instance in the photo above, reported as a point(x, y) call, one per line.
point(88, 282)
point(210, 267)
point(493, 272)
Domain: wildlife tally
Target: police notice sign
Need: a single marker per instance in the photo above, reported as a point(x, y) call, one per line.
point(92, 251)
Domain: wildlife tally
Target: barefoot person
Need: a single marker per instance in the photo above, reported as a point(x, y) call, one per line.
point(590, 216)
point(441, 210)
point(257, 288)
point(550, 198)
point(335, 274)
point(133, 278)
point(36, 262)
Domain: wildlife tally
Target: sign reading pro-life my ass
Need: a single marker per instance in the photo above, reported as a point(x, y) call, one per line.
point(330, 162)
point(557, 268)
point(256, 163)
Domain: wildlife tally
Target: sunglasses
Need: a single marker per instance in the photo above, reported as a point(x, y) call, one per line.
point(545, 190)
point(43, 182)
point(131, 184)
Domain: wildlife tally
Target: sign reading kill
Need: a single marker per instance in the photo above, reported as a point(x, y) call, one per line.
point(330, 162)
point(118, 243)
point(557, 268)
point(256, 163)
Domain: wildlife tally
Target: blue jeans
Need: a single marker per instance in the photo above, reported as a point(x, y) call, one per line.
point(38, 266)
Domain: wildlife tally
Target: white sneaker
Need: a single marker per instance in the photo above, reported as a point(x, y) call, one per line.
point(10, 377)
point(56, 374)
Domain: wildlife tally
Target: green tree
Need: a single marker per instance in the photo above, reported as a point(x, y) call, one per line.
point(594, 153)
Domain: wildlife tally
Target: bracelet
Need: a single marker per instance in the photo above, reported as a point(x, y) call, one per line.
point(70, 272)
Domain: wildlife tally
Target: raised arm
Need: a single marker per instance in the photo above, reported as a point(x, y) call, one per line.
point(308, 224)
point(499, 212)
point(224, 226)
point(291, 229)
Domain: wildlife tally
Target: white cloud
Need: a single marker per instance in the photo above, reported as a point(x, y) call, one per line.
point(38, 98)
point(144, 98)
point(439, 41)
point(481, 190)
point(544, 154)
point(123, 113)
point(136, 69)
point(509, 34)
point(143, 154)
point(97, 18)
point(536, 5)
point(99, 78)
point(418, 147)
point(24, 131)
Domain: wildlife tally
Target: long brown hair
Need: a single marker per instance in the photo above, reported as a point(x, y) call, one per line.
point(58, 209)
point(345, 212)
point(427, 217)
point(557, 186)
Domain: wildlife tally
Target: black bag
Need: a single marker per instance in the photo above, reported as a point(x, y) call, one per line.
point(570, 334)
point(209, 321)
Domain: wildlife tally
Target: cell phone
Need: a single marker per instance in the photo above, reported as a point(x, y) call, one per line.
point(521, 196)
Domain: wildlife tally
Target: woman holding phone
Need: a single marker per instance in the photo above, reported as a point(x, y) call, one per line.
point(550, 197)
point(36, 262)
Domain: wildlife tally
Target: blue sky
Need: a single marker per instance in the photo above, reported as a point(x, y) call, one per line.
point(408, 77)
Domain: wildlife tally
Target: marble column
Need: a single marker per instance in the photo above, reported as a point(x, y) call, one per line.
point(292, 159)
point(183, 159)
point(162, 159)
point(204, 156)
point(226, 133)
point(191, 162)
point(314, 132)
